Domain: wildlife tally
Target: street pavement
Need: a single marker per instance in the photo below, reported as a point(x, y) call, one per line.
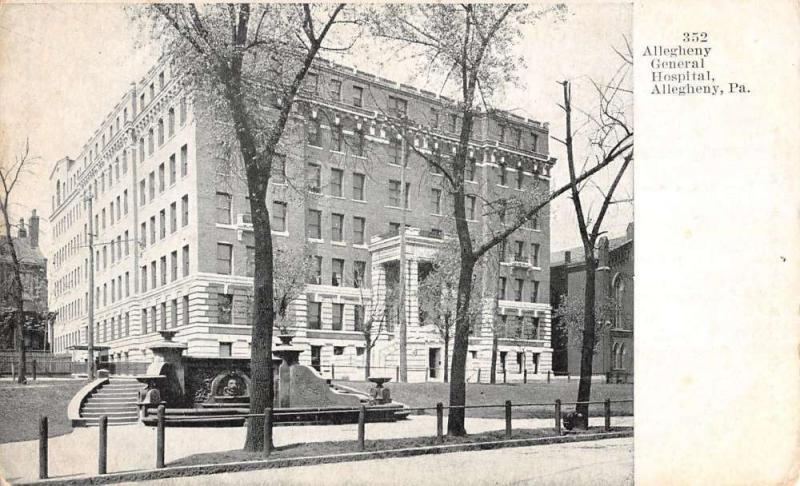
point(602, 462)
point(132, 447)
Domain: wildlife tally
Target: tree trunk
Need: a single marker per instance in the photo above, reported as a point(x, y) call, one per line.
point(587, 348)
point(493, 371)
point(458, 384)
point(367, 356)
point(446, 351)
point(18, 299)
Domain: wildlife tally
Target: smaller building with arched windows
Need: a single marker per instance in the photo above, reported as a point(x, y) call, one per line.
point(613, 355)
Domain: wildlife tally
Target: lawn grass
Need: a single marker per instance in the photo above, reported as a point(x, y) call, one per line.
point(428, 394)
point(21, 406)
point(339, 447)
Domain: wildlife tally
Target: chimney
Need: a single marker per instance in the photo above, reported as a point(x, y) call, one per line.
point(23, 233)
point(567, 256)
point(33, 228)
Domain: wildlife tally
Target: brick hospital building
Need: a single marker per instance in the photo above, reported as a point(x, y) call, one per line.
point(174, 239)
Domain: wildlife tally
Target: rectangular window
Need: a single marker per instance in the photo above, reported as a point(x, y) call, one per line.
point(153, 318)
point(316, 278)
point(337, 226)
point(314, 313)
point(152, 230)
point(336, 90)
point(251, 261)
point(358, 96)
point(314, 133)
point(162, 218)
point(279, 216)
point(174, 313)
point(433, 118)
point(173, 217)
point(144, 320)
point(173, 170)
point(336, 138)
point(152, 181)
point(225, 350)
point(311, 81)
point(125, 201)
point(314, 224)
point(501, 288)
point(337, 272)
point(127, 284)
point(398, 107)
point(153, 275)
point(470, 203)
point(314, 178)
point(185, 260)
point(103, 219)
point(436, 201)
point(338, 311)
point(185, 210)
point(396, 151)
point(174, 266)
point(520, 178)
point(502, 169)
point(359, 227)
point(394, 193)
point(359, 273)
point(453, 122)
point(358, 143)
point(185, 310)
point(279, 169)
point(358, 317)
point(142, 193)
point(163, 316)
point(337, 175)
point(518, 289)
point(469, 169)
point(535, 291)
point(224, 307)
point(184, 160)
point(223, 208)
point(161, 178)
point(143, 234)
point(358, 186)
point(224, 258)
point(144, 278)
point(535, 254)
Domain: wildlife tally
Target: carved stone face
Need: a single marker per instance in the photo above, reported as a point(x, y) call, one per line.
point(232, 388)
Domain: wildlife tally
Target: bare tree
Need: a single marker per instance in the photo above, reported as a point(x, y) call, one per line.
point(610, 140)
point(233, 55)
point(9, 176)
point(470, 45)
point(373, 320)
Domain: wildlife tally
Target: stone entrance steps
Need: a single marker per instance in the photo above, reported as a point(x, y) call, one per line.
point(116, 399)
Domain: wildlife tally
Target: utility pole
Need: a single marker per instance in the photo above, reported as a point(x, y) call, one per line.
point(402, 304)
point(90, 366)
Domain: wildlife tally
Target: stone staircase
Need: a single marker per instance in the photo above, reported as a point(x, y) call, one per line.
point(116, 399)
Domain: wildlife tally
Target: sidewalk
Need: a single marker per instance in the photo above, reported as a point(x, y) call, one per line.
point(132, 447)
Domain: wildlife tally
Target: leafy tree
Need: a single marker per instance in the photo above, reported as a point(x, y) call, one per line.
point(246, 64)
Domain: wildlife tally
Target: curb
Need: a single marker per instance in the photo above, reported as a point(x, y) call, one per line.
point(205, 469)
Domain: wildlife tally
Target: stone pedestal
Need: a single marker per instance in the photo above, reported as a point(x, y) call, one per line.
point(167, 362)
point(289, 356)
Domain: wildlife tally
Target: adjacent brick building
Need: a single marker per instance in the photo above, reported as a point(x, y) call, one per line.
point(614, 278)
point(175, 241)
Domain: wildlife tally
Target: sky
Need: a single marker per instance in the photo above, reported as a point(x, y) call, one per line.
point(66, 66)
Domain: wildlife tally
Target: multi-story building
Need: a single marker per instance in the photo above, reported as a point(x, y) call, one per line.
point(174, 239)
point(614, 293)
point(33, 271)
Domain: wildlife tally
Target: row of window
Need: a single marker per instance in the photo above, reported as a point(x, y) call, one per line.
point(147, 186)
point(116, 287)
point(518, 254)
point(161, 264)
point(114, 328)
point(114, 249)
point(518, 290)
point(337, 316)
point(165, 316)
point(159, 226)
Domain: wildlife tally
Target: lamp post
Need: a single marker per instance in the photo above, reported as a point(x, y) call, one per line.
point(90, 371)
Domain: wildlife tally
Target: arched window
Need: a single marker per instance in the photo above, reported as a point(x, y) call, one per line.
point(619, 298)
point(614, 355)
point(171, 121)
point(141, 149)
point(160, 131)
point(621, 362)
point(150, 142)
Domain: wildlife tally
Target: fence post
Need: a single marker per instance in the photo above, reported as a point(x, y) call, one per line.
point(426, 374)
point(504, 376)
point(13, 374)
point(34, 370)
point(267, 431)
point(608, 413)
point(548, 376)
point(160, 438)
point(558, 416)
point(397, 374)
point(525, 376)
point(508, 419)
point(102, 447)
point(439, 423)
point(479, 375)
point(362, 417)
point(43, 447)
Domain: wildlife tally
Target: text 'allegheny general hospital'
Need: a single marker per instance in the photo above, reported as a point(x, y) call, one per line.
point(686, 69)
